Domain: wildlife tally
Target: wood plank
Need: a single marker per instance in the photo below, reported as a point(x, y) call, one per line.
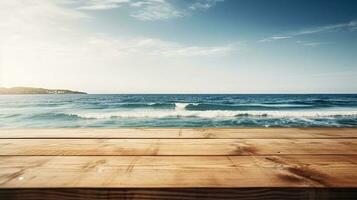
point(179, 193)
point(131, 147)
point(177, 171)
point(214, 163)
point(232, 133)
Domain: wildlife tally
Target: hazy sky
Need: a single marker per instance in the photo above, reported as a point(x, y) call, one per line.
point(180, 46)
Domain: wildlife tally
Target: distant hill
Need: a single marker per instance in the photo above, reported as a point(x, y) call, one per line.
point(30, 90)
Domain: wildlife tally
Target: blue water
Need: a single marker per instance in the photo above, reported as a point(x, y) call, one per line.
point(178, 111)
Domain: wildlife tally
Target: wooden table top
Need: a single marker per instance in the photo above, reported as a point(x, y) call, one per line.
point(178, 158)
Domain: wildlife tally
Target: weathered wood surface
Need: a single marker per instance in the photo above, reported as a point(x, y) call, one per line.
point(203, 133)
point(175, 147)
point(178, 163)
point(178, 171)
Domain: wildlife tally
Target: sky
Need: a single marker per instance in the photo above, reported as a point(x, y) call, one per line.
point(180, 46)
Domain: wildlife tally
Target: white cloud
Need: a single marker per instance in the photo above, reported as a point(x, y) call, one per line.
point(312, 44)
point(49, 44)
point(52, 44)
point(329, 28)
point(23, 22)
point(349, 26)
point(146, 10)
point(155, 10)
point(274, 38)
point(172, 49)
point(102, 4)
point(204, 4)
point(150, 10)
point(151, 47)
point(51, 25)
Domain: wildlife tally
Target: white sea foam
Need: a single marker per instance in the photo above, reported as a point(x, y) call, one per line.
point(182, 106)
point(213, 114)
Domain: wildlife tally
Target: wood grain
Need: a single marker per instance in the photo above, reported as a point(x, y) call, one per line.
point(178, 194)
point(177, 171)
point(228, 133)
point(174, 163)
point(175, 147)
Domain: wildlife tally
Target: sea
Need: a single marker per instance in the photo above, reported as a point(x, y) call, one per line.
point(178, 110)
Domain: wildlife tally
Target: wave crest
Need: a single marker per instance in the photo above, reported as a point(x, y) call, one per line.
point(214, 114)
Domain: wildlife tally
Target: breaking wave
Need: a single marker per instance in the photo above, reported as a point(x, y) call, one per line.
point(213, 114)
point(172, 110)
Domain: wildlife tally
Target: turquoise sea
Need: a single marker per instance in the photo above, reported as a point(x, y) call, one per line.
point(178, 110)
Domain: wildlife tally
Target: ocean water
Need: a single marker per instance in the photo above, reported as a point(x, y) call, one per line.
point(263, 110)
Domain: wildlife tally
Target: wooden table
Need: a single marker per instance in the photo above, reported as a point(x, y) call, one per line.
point(286, 163)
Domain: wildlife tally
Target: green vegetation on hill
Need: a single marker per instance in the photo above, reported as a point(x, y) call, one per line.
point(30, 90)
